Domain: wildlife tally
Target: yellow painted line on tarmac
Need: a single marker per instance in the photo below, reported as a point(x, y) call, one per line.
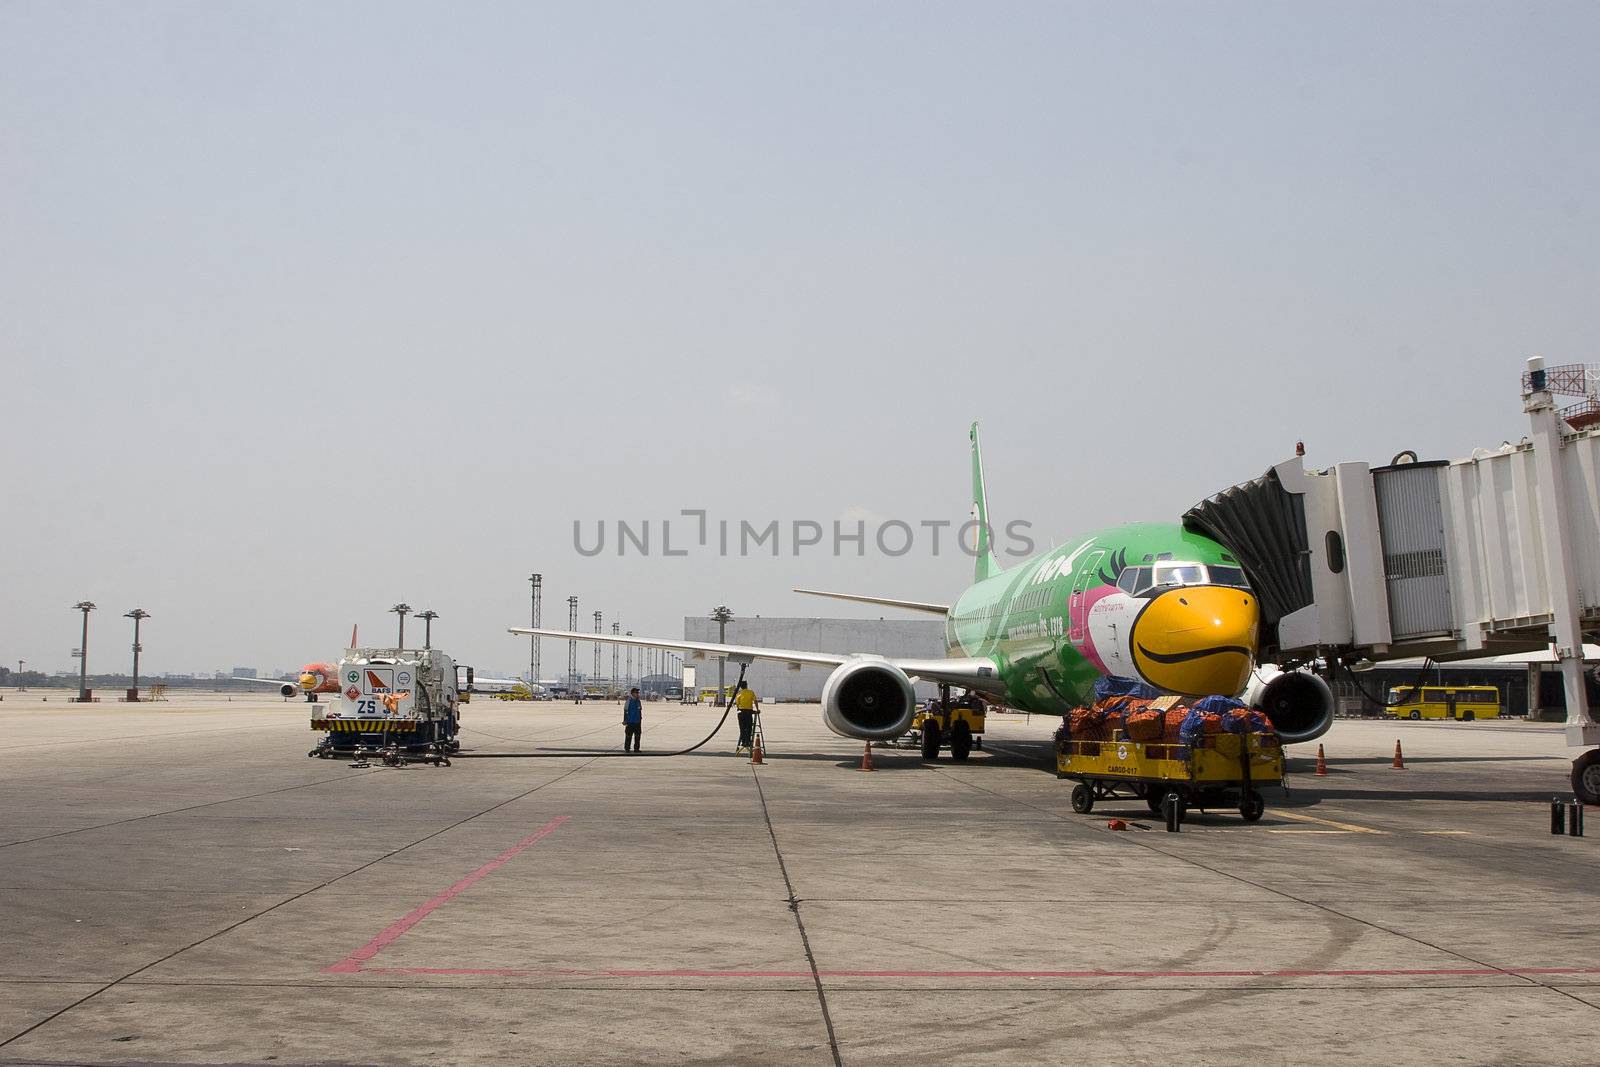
point(1348, 827)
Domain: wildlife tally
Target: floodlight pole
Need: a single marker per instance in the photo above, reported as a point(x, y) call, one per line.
point(84, 606)
point(402, 610)
point(723, 614)
point(427, 618)
point(537, 581)
point(572, 650)
point(138, 615)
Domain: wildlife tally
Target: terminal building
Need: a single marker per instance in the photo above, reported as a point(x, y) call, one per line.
point(910, 638)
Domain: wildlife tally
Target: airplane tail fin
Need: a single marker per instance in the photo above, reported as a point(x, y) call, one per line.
point(987, 565)
point(353, 635)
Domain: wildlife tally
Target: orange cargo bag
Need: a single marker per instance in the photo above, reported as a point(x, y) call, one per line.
point(1144, 725)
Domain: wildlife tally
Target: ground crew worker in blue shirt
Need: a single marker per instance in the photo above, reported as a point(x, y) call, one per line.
point(632, 721)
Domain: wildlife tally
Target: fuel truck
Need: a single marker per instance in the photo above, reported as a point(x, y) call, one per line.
point(402, 705)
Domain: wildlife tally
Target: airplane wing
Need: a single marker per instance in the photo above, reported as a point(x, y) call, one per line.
point(973, 672)
point(908, 605)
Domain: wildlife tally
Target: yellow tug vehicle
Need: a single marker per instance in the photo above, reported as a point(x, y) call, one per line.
point(1213, 753)
point(955, 723)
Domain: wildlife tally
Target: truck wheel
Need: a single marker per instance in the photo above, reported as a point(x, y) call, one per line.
point(1415, 715)
point(960, 741)
point(1586, 776)
point(930, 740)
point(1468, 716)
point(1251, 806)
point(1153, 800)
point(1082, 799)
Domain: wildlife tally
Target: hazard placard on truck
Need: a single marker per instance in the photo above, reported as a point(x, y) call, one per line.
point(366, 685)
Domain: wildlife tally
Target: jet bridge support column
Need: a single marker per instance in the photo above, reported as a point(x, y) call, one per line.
point(1560, 572)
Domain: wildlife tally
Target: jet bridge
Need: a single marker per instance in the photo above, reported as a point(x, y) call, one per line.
point(1496, 553)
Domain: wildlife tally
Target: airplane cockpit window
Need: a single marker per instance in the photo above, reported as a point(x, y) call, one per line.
point(1142, 581)
point(1134, 580)
point(1229, 576)
point(1180, 574)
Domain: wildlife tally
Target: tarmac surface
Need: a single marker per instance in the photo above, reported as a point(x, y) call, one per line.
point(180, 884)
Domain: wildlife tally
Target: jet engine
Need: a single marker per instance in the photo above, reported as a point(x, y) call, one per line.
point(868, 699)
point(1299, 703)
point(288, 690)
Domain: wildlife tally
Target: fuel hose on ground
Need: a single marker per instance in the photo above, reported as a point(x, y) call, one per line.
point(594, 754)
point(568, 753)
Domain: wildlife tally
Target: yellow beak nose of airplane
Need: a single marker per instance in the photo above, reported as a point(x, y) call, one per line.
point(308, 682)
point(1198, 640)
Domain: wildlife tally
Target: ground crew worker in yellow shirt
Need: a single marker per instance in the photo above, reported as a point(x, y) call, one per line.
point(744, 699)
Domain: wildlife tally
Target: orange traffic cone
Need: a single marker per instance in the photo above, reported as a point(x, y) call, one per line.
point(1322, 763)
point(755, 751)
point(1399, 763)
point(866, 758)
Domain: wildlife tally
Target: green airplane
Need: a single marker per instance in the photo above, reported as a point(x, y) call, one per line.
point(1148, 602)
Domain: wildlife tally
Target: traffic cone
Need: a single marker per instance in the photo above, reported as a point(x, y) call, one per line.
point(1399, 763)
point(755, 751)
point(1322, 763)
point(866, 758)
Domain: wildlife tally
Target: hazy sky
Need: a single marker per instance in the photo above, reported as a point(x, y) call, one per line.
point(309, 308)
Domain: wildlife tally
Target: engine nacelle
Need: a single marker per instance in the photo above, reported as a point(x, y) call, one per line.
point(1299, 703)
point(868, 699)
point(288, 690)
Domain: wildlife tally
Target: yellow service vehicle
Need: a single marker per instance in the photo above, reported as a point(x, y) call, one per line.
point(1464, 702)
point(957, 723)
point(1225, 769)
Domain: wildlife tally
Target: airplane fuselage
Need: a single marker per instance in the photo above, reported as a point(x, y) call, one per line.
point(1150, 601)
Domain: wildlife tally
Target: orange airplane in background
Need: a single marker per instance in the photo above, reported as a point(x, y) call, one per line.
point(314, 678)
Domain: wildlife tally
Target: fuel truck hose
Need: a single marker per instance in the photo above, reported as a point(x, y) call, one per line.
point(592, 754)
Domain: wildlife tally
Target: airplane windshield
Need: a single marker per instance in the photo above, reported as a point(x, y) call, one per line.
point(1148, 579)
point(1230, 576)
point(1180, 574)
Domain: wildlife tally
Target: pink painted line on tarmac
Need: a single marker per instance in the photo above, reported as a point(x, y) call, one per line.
point(351, 964)
point(572, 972)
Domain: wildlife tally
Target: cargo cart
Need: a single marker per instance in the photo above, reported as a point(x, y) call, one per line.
point(1223, 771)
